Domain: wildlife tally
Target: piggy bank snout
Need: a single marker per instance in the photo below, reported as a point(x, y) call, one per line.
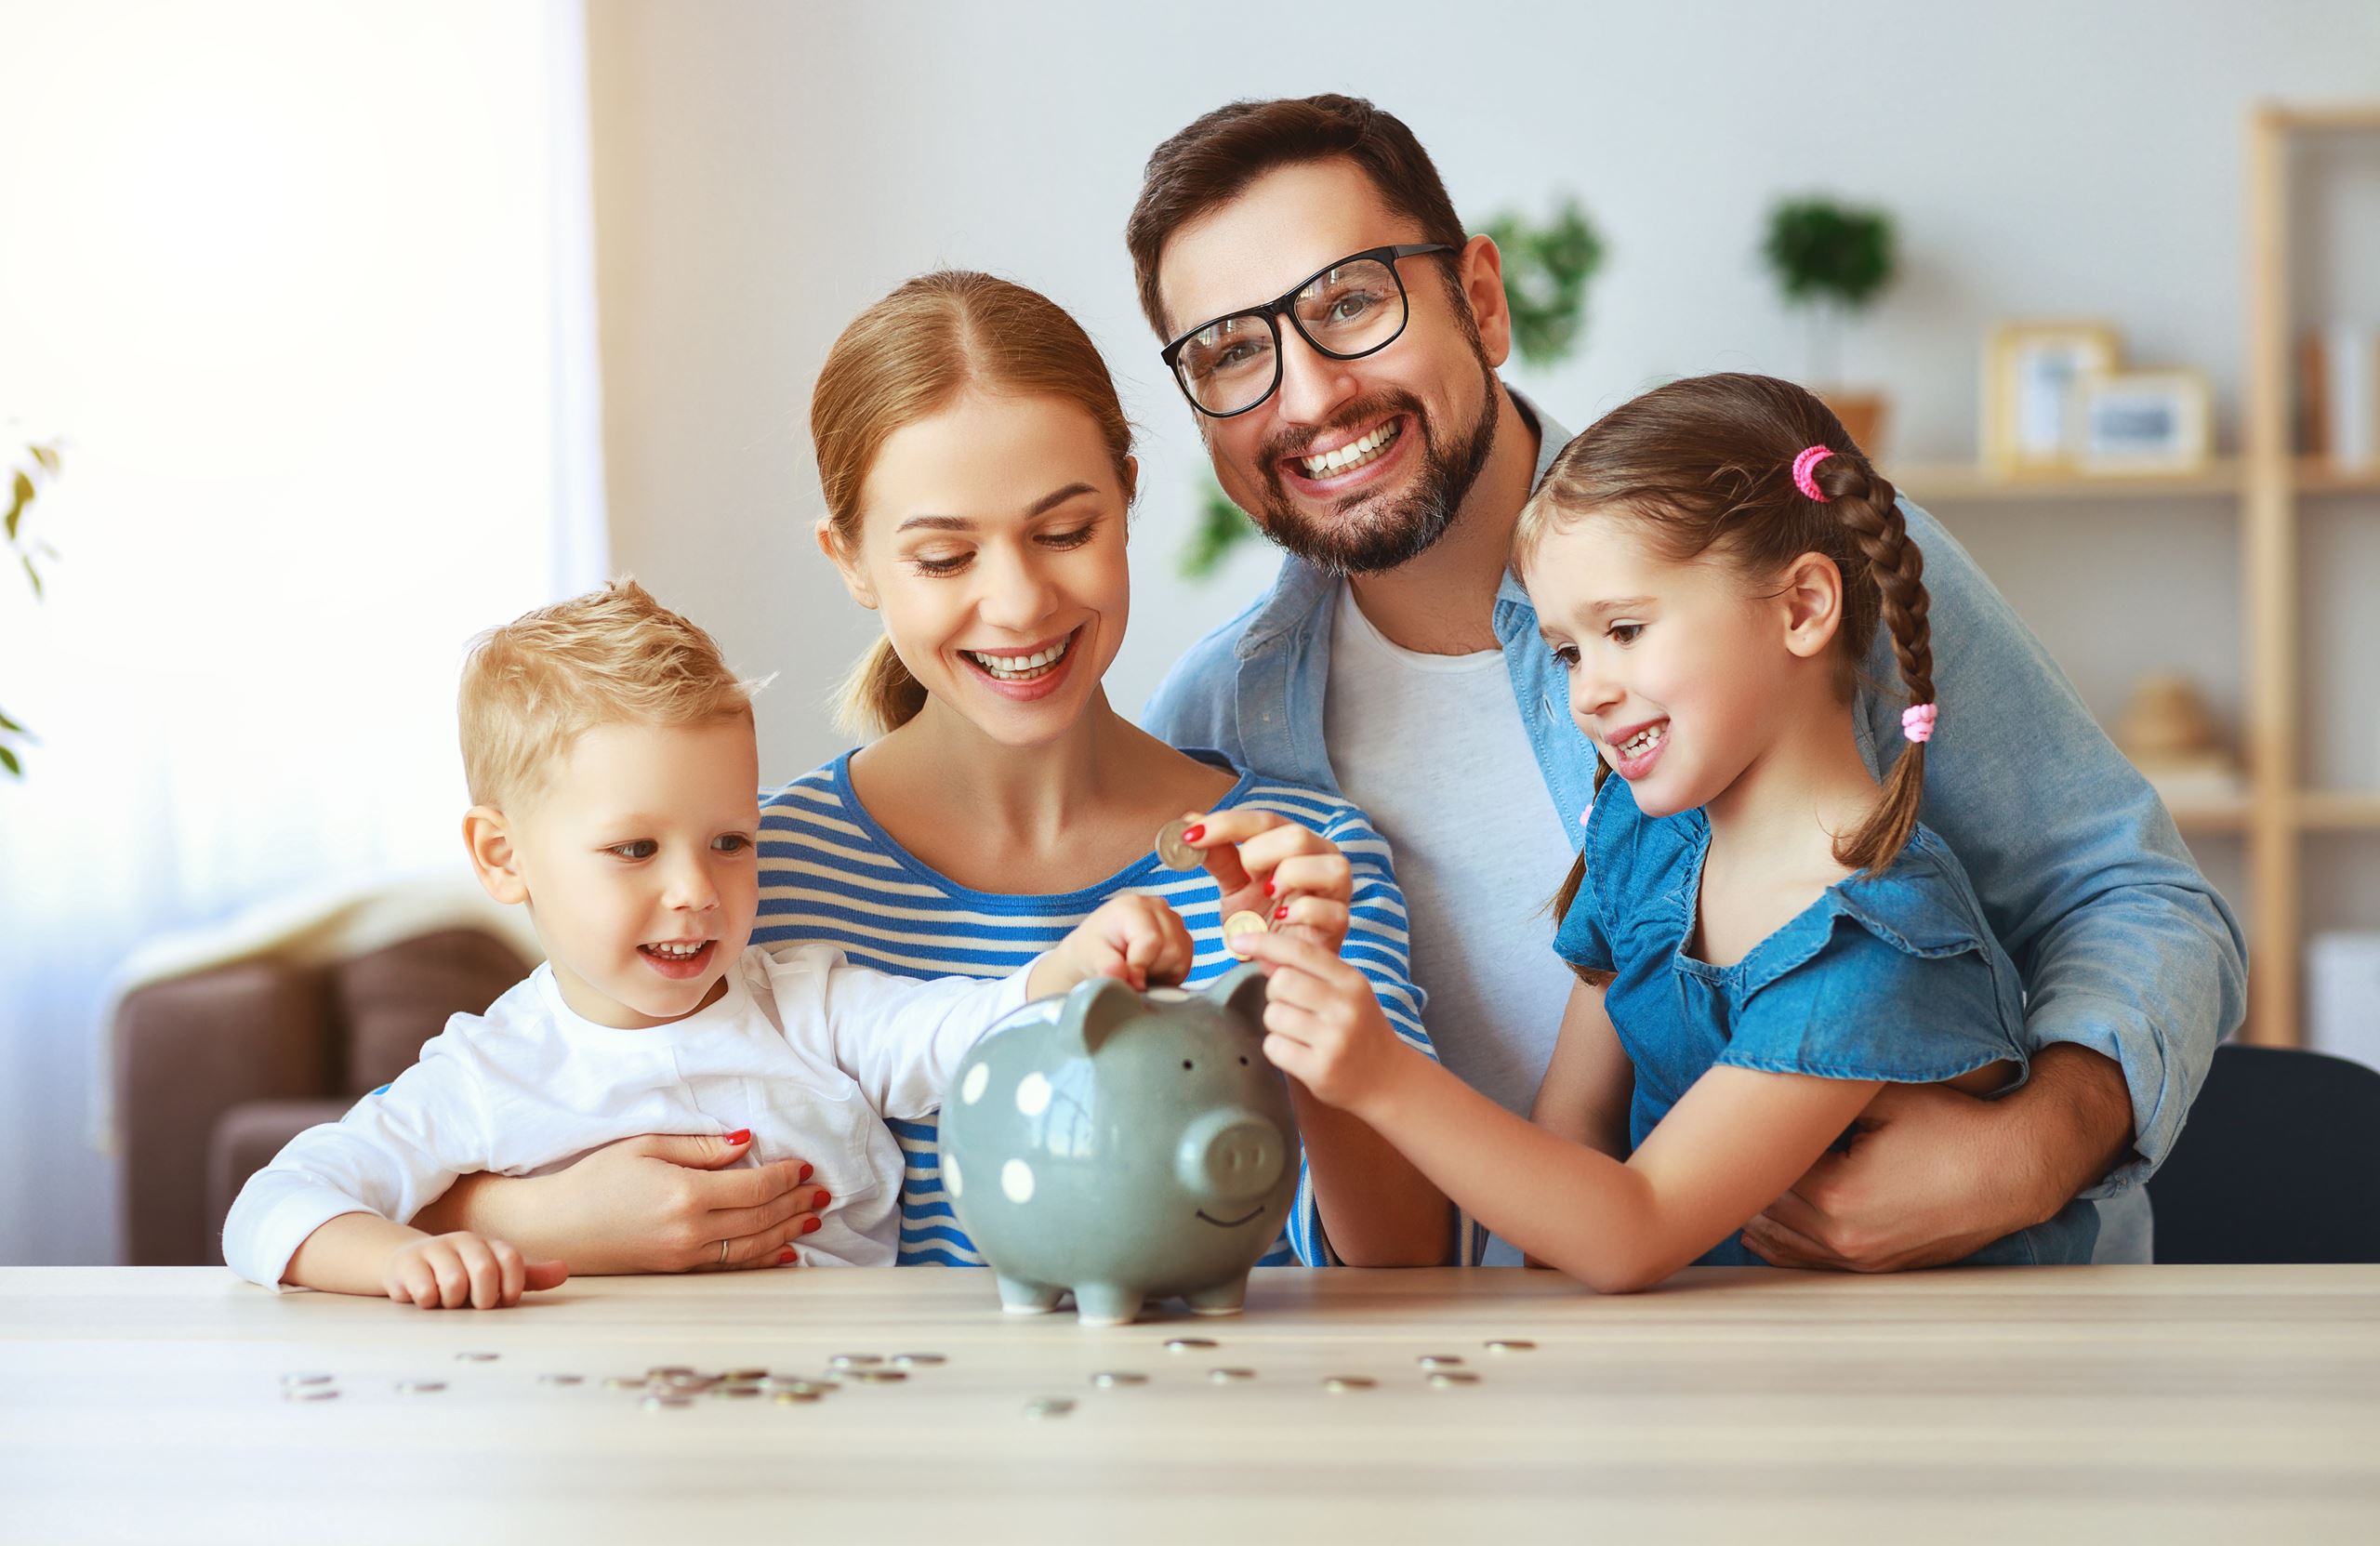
point(1229, 1156)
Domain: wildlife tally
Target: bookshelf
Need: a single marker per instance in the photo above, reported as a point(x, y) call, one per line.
point(2269, 482)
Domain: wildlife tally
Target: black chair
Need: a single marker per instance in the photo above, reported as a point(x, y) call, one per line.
point(2279, 1161)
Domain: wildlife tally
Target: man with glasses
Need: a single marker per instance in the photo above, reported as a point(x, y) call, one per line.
point(1356, 415)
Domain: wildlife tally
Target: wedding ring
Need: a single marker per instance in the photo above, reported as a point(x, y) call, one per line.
point(722, 1253)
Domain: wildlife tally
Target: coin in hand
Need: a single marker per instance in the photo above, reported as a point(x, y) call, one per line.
point(1172, 851)
point(1243, 922)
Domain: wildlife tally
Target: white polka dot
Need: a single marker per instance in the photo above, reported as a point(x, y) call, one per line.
point(1016, 1179)
point(1033, 1095)
point(978, 1077)
point(950, 1170)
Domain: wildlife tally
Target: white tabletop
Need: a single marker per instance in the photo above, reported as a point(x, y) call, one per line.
point(2098, 1403)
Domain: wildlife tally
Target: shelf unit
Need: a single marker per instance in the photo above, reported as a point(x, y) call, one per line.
point(2277, 812)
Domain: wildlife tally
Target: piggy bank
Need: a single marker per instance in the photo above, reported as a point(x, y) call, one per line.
point(1123, 1146)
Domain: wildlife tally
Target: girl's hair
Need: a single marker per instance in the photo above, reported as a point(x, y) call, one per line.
point(1705, 465)
point(908, 357)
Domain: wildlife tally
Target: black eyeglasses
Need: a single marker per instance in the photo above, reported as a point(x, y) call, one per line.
point(1348, 310)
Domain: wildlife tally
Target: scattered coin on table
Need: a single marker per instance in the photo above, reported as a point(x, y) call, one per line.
point(1438, 1360)
point(309, 1379)
point(562, 1379)
point(1511, 1344)
point(311, 1393)
point(420, 1387)
point(659, 1403)
point(476, 1357)
point(1172, 851)
point(1446, 1376)
point(1340, 1384)
point(877, 1376)
point(917, 1360)
point(1186, 1344)
point(1107, 1378)
point(1049, 1406)
point(855, 1360)
point(1230, 1376)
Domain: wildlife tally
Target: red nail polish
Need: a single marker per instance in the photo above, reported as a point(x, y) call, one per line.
point(785, 1255)
point(809, 1224)
point(1268, 888)
point(741, 1135)
point(1193, 834)
point(1281, 911)
point(825, 1197)
point(805, 1171)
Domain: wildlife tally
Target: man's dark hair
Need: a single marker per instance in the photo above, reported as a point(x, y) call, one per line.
point(1213, 160)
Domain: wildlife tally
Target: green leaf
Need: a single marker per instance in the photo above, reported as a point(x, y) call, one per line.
point(1821, 250)
point(7, 724)
point(8, 760)
point(1221, 527)
point(1546, 272)
point(19, 496)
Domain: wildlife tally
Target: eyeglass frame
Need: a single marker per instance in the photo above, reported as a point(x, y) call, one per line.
point(1280, 305)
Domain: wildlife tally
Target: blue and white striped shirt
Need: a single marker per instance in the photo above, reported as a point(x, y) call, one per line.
point(830, 873)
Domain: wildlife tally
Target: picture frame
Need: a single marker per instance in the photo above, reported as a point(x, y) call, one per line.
point(2144, 422)
point(2031, 372)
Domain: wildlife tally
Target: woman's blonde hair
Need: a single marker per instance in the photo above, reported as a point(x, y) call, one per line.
point(611, 656)
point(906, 358)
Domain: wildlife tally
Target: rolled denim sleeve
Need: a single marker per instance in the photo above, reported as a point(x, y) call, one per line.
point(2124, 946)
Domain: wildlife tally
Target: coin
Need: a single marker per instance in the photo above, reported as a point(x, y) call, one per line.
point(311, 1393)
point(624, 1382)
point(877, 1376)
point(1340, 1384)
point(665, 1403)
point(1446, 1376)
point(1049, 1406)
point(1172, 851)
point(1185, 1344)
point(1242, 922)
point(690, 1384)
point(1511, 1344)
point(918, 1360)
point(743, 1376)
point(420, 1387)
point(855, 1360)
point(736, 1390)
point(663, 1371)
point(793, 1398)
point(785, 1384)
point(476, 1357)
point(305, 1379)
point(1108, 1378)
point(1230, 1376)
point(1438, 1360)
point(562, 1379)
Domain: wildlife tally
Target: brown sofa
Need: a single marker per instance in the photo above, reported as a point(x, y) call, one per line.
point(214, 1070)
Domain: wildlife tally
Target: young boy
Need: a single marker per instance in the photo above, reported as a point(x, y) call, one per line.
point(611, 765)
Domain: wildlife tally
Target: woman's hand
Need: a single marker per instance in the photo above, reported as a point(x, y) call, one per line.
point(451, 1272)
point(1265, 863)
point(653, 1204)
point(1138, 940)
point(1323, 1027)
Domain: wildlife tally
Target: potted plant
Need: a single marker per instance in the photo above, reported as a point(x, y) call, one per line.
point(1834, 261)
point(24, 486)
point(1546, 272)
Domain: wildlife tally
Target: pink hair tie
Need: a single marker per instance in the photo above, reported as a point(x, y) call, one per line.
point(1917, 721)
point(1803, 465)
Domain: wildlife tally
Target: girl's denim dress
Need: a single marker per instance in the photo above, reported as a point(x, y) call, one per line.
point(1890, 976)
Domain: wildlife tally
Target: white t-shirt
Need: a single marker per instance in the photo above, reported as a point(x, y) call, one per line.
point(1477, 844)
point(807, 1051)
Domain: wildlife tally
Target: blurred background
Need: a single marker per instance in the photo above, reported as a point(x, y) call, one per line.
point(330, 335)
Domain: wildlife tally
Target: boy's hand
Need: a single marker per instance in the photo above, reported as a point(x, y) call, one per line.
point(462, 1269)
point(1323, 1027)
point(1137, 939)
point(1267, 864)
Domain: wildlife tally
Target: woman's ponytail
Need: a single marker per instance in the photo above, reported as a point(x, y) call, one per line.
point(879, 694)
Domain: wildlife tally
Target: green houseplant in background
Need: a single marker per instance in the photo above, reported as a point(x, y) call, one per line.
point(1835, 259)
point(1547, 269)
point(25, 484)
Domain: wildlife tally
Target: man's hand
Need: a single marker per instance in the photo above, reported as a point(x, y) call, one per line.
point(1933, 1175)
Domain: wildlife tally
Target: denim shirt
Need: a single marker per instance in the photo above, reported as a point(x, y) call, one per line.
point(2124, 946)
point(1890, 974)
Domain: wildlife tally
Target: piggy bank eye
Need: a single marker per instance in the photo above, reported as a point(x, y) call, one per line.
point(1185, 1065)
point(1243, 1060)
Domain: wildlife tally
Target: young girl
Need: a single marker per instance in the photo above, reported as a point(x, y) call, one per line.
point(1763, 937)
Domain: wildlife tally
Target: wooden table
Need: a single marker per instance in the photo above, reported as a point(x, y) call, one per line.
point(2102, 1404)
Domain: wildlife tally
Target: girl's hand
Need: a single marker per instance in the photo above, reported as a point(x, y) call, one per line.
point(1267, 864)
point(463, 1269)
point(1137, 939)
point(1323, 1027)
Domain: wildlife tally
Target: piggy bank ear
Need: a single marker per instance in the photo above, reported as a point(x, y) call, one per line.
point(1240, 993)
point(1096, 1009)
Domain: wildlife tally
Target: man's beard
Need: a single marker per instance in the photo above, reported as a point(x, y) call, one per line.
point(1368, 533)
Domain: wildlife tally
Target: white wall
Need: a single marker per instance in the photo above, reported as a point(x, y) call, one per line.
point(765, 171)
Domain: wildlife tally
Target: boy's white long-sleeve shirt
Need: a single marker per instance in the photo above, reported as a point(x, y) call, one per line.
point(806, 1050)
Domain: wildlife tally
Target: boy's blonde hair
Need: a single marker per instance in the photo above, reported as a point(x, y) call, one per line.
point(532, 687)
